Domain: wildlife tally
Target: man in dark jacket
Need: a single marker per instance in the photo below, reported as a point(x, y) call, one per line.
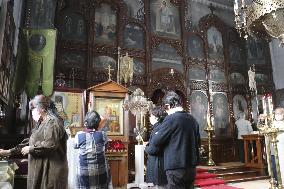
point(179, 138)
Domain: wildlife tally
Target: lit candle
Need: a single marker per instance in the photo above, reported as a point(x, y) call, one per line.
point(243, 3)
point(264, 105)
point(208, 119)
point(236, 6)
point(270, 104)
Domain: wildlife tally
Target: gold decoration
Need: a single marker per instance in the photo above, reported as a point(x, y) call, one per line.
point(109, 72)
point(126, 68)
point(271, 132)
point(210, 131)
point(139, 106)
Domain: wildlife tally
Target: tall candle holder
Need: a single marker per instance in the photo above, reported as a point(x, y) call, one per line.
point(271, 132)
point(210, 131)
point(138, 106)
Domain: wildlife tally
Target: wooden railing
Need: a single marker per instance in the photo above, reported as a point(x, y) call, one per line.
point(255, 156)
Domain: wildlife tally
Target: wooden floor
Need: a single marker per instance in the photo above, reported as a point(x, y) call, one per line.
point(234, 172)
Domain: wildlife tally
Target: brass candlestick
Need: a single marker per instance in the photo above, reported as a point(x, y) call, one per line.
point(265, 131)
point(210, 131)
point(273, 136)
point(271, 133)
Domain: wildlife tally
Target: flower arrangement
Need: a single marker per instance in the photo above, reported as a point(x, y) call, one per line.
point(116, 146)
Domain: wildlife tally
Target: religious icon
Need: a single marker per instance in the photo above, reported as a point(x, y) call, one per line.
point(139, 67)
point(221, 114)
point(251, 76)
point(237, 78)
point(165, 18)
point(105, 24)
point(135, 9)
point(166, 56)
point(73, 27)
point(255, 51)
point(195, 47)
point(239, 105)
point(217, 75)
point(215, 44)
point(199, 108)
point(133, 37)
point(261, 78)
point(80, 27)
point(111, 112)
point(234, 54)
point(69, 107)
point(102, 62)
point(196, 74)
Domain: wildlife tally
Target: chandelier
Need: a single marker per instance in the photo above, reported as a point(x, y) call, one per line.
point(263, 18)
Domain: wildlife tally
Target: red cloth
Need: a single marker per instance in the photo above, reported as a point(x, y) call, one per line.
point(220, 187)
point(205, 175)
point(208, 182)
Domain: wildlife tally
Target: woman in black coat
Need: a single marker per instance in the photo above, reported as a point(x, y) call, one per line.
point(155, 162)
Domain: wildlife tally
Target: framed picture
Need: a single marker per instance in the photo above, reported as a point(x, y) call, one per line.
point(135, 9)
point(237, 78)
point(195, 47)
point(255, 51)
point(133, 37)
point(196, 74)
point(221, 114)
point(215, 44)
point(139, 67)
point(199, 109)
point(280, 97)
point(217, 76)
point(105, 24)
point(234, 54)
point(261, 78)
point(102, 62)
point(70, 107)
point(239, 105)
point(69, 59)
point(111, 112)
point(73, 27)
point(165, 19)
point(166, 56)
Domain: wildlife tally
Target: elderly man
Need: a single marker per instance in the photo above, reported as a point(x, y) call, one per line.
point(179, 138)
point(244, 128)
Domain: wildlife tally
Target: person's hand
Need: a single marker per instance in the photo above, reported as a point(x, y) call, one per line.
point(145, 143)
point(25, 150)
point(4, 152)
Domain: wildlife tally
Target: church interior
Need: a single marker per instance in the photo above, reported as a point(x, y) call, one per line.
point(120, 57)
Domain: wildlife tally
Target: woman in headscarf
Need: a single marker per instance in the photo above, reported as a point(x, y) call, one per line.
point(46, 148)
point(93, 169)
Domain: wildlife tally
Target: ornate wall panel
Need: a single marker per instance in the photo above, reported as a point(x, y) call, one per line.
point(206, 55)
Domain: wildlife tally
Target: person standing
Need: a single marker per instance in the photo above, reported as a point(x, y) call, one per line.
point(179, 138)
point(46, 148)
point(244, 128)
point(93, 170)
point(155, 161)
point(279, 123)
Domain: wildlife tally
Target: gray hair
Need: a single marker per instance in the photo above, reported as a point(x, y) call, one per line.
point(242, 115)
point(40, 102)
